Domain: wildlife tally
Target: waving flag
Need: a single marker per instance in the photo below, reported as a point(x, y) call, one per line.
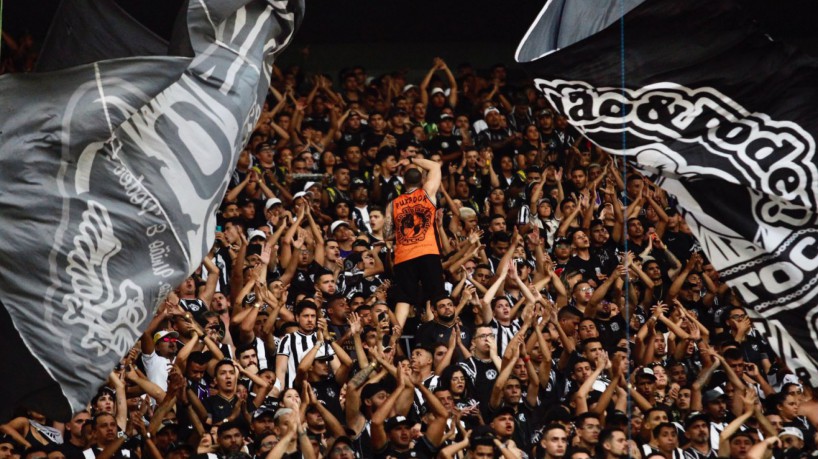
point(110, 174)
point(724, 114)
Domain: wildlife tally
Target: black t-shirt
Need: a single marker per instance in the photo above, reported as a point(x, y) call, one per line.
point(679, 244)
point(70, 451)
point(219, 407)
point(482, 375)
point(422, 449)
point(435, 332)
point(444, 144)
point(194, 306)
point(606, 256)
point(611, 331)
point(586, 267)
point(304, 279)
point(328, 391)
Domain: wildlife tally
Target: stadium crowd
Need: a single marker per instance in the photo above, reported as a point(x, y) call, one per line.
point(562, 309)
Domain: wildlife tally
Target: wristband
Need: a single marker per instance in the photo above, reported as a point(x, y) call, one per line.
point(526, 359)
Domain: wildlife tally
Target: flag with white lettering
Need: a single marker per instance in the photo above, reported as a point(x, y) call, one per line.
point(725, 116)
point(110, 176)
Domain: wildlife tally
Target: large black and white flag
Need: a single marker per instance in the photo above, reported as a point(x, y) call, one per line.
point(727, 116)
point(110, 174)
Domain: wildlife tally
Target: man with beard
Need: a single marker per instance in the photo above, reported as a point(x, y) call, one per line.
point(294, 346)
point(360, 205)
point(714, 402)
point(262, 423)
point(443, 325)
point(697, 431)
point(602, 247)
point(230, 440)
point(613, 444)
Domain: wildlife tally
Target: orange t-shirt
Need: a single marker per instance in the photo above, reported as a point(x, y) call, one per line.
point(413, 215)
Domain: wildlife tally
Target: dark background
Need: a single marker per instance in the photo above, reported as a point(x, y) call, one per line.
point(395, 34)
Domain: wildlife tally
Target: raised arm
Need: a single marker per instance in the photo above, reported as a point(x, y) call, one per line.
point(377, 431)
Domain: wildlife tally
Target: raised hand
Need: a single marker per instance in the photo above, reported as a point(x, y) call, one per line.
point(354, 321)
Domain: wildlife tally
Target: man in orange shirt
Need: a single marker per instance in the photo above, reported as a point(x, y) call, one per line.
point(410, 221)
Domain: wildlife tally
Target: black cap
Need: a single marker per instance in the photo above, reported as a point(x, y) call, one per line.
point(561, 240)
point(397, 421)
point(501, 411)
point(693, 417)
point(370, 390)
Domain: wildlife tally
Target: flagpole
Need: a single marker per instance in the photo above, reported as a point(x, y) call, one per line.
point(629, 402)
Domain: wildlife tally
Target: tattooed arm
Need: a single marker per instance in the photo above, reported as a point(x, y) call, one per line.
point(389, 225)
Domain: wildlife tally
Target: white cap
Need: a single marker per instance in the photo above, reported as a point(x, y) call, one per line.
point(794, 431)
point(309, 185)
point(300, 194)
point(256, 233)
point(489, 110)
point(438, 91)
point(336, 224)
point(271, 202)
point(408, 87)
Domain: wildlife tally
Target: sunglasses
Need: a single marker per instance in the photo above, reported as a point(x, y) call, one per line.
point(168, 339)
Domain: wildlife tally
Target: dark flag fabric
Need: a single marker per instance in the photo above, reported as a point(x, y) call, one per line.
point(110, 176)
point(723, 116)
point(86, 31)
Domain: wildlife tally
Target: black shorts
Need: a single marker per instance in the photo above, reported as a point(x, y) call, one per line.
point(418, 280)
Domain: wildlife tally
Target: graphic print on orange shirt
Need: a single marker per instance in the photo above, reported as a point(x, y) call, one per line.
point(412, 224)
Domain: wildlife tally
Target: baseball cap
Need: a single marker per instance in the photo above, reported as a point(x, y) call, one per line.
point(794, 431)
point(300, 194)
point(370, 390)
point(408, 87)
point(396, 421)
point(264, 411)
point(271, 202)
point(545, 112)
point(167, 423)
point(693, 417)
point(343, 439)
point(489, 110)
point(446, 116)
point(336, 224)
point(163, 334)
point(256, 233)
point(438, 91)
point(561, 240)
point(712, 395)
point(646, 372)
point(396, 111)
point(323, 354)
point(282, 412)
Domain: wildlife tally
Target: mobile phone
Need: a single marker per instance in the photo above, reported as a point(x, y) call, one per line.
point(218, 228)
point(382, 316)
